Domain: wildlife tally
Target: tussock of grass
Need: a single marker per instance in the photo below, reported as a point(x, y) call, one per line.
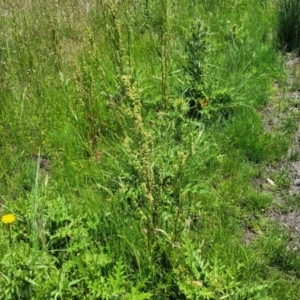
point(288, 19)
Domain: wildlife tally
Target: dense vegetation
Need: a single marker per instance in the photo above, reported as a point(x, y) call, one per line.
point(131, 135)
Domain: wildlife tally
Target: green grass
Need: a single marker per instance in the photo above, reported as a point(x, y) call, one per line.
point(147, 114)
point(288, 20)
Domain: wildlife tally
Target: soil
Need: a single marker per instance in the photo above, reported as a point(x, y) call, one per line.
point(284, 105)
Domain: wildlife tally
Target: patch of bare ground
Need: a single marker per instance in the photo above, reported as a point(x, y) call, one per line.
point(282, 179)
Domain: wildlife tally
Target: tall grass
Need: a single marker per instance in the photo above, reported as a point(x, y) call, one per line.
point(288, 27)
point(145, 112)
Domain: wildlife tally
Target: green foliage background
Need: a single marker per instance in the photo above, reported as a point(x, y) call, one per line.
point(130, 137)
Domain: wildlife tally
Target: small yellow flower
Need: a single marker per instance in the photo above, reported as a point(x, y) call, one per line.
point(8, 218)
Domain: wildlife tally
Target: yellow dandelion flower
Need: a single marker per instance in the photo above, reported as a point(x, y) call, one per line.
point(8, 218)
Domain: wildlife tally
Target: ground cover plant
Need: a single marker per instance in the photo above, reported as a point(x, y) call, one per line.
point(131, 136)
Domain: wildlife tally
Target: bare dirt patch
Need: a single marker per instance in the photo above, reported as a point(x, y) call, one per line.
point(278, 114)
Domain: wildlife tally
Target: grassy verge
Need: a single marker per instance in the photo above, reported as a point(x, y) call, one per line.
point(130, 138)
